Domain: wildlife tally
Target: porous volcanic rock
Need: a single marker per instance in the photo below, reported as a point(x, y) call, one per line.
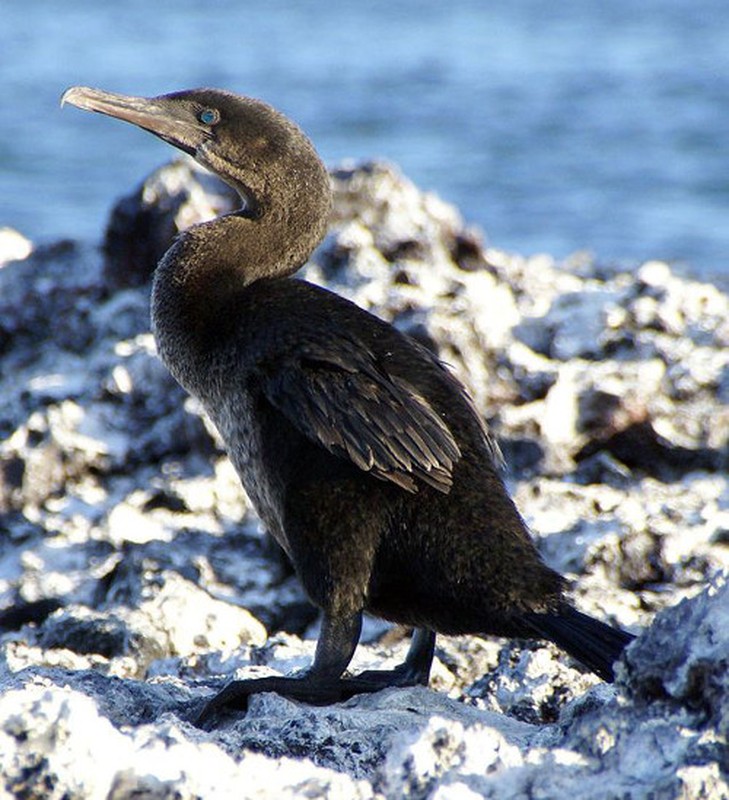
point(135, 579)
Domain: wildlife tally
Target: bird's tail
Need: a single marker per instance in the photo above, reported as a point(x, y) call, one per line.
point(597, 645)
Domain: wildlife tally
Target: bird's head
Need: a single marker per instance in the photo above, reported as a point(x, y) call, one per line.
point(246, 142)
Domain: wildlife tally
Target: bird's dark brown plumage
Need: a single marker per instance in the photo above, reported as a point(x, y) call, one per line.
point(361, 452)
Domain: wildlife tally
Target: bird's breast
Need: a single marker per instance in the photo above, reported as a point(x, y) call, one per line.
point(236, 419)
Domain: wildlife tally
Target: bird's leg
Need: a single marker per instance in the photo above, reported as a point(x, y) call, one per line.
point(321, 684)
point(415, 670)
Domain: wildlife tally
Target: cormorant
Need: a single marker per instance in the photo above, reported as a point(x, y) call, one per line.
point(361, 452)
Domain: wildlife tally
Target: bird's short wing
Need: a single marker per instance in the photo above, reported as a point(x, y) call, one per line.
point(338, 395)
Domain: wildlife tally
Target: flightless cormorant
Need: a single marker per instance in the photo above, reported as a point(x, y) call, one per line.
point(361, 452)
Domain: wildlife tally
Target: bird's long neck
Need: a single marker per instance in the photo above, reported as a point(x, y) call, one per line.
point(198, 280)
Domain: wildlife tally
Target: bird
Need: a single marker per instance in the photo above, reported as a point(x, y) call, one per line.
point(360, 450)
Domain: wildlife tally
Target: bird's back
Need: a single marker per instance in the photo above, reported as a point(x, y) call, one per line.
point(452, 560)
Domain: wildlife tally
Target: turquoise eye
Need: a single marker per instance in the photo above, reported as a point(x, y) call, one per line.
point(208, 116)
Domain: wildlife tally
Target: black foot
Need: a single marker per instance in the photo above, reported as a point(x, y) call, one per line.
point(414, 671)
point(234, 696)
point(383, 678)
point(321, 686)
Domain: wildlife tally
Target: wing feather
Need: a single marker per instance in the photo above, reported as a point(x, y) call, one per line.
point(340, 396)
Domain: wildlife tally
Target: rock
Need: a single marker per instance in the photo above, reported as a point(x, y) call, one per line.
point(13, 246)
point(46, 299)
point(72, 750)
point(634, 743)
point(144, 223)
point(683, 659)
point(85, 632)
point(135, 580)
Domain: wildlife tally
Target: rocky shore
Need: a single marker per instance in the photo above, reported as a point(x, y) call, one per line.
point(135, 579)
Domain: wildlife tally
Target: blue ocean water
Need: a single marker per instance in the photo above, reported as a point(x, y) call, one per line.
point(555, 127)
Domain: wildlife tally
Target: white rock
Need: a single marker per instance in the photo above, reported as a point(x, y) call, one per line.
point(13, 246)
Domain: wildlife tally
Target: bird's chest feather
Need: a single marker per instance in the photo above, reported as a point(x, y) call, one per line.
point(237, 418)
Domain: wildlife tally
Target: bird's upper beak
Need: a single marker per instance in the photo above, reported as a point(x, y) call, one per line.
point(173, 122)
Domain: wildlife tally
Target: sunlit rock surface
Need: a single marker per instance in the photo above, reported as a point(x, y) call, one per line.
point(135, 580)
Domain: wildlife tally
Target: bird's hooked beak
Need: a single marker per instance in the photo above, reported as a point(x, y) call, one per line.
point(173, 122)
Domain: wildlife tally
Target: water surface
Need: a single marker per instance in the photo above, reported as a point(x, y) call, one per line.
point(555, 127)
